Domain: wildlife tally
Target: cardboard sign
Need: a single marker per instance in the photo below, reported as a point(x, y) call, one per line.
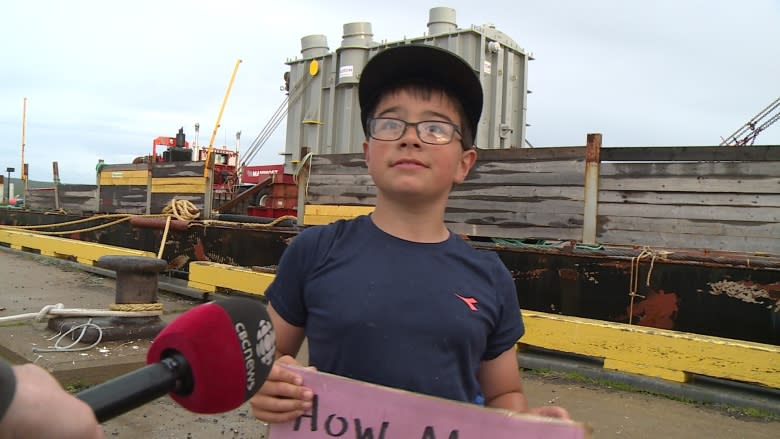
point(353, 409)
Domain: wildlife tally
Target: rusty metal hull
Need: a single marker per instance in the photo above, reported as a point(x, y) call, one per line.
point(234, 245)
point(719, 294)
point(725, 294)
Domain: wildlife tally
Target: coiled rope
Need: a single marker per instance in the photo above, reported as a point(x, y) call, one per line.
point(182, 210)
point(70, 348)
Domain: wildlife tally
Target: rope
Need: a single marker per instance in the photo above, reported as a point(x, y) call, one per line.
point(68, 223)
point(301, 166)
point(306, 158)
point(249, 225)
point(164, 237)
point(59, 310)
point(59, 211)
point(132, 307)
point(634, 278)
point(182, 210)
point(633, 283)
point(70, 348)
point(124, 217)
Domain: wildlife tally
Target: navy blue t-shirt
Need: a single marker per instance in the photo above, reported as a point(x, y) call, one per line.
point(380, 309)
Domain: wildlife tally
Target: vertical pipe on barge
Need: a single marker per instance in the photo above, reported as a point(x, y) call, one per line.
point(55, 169)
point(592, 162)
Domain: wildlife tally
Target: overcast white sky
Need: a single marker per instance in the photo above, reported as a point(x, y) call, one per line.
point(103, 78)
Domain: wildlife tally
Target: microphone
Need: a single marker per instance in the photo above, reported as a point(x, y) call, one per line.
point(211, 359)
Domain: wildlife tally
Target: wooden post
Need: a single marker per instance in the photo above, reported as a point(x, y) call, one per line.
point(2, 189)
point(149, 172)
point(24, 137)
point(303, 179)
point(592, 162)
point(24, 165)
point(56, 175)
point(25, 169)
point(208, 196)
point(98, 172)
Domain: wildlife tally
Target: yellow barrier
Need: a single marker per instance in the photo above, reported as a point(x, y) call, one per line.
point(208, 276)
point(653, 352)
point(84, 252)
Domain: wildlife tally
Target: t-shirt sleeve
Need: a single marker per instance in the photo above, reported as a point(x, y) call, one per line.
point(286, 292)
point(509, 326)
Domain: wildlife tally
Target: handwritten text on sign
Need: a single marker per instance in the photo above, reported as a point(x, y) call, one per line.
point(352, 409)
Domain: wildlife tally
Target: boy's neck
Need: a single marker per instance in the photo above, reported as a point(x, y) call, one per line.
point(416, 223)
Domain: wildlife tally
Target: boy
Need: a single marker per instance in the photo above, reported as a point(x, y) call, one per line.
point(395, 298)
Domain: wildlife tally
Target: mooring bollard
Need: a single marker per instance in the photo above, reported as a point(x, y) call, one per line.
point(136, 290)
point(136, 278)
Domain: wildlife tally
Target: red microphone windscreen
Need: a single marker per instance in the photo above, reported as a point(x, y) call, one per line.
point(229, 345)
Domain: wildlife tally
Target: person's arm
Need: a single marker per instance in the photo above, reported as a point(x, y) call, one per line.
point(7, 387)
point(282, 397)
point(502, 387)
point(289, 338)
point(41, 408)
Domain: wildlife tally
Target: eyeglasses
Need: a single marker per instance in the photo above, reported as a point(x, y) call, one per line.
point(434, 132)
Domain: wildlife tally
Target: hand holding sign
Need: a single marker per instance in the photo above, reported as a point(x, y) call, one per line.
point(282, 397)
point(349, 408)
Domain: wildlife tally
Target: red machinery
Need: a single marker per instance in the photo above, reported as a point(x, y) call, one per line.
point(175, 149)
point(280, 198)
point(225, 167)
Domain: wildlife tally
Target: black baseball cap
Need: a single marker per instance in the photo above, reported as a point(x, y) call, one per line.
point(424, 63)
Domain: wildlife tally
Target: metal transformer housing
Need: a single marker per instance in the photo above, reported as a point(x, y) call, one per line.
point(323, 113)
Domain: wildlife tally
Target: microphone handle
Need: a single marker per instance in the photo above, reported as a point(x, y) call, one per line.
point(132, 390)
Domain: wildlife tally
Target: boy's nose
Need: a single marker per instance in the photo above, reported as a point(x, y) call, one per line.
point(410, 136)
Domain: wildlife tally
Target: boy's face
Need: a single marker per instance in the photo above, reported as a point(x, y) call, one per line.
point(408, 167)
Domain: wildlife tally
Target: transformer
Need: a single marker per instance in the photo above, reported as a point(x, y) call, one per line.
point(323, 113)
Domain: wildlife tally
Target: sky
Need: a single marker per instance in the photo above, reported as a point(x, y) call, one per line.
point(103, 78)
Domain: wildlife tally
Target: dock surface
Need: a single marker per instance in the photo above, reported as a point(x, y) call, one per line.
point(29, 282)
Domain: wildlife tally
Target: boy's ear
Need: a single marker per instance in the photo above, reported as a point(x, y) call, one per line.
point(467, 160)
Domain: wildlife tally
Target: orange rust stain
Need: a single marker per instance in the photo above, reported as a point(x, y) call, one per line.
point(178, 262)
point(530, 274)
point(567, 273)
point(200, 252)
point(658, 310)
point(773, 289)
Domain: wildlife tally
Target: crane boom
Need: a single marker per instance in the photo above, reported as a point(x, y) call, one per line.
point(747, 133)
point(219, 118)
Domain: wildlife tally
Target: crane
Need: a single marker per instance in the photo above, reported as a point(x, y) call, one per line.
point(747, 133)
point(219, 118)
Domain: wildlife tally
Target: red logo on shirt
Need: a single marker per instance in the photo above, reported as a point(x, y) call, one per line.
point(470, 301)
